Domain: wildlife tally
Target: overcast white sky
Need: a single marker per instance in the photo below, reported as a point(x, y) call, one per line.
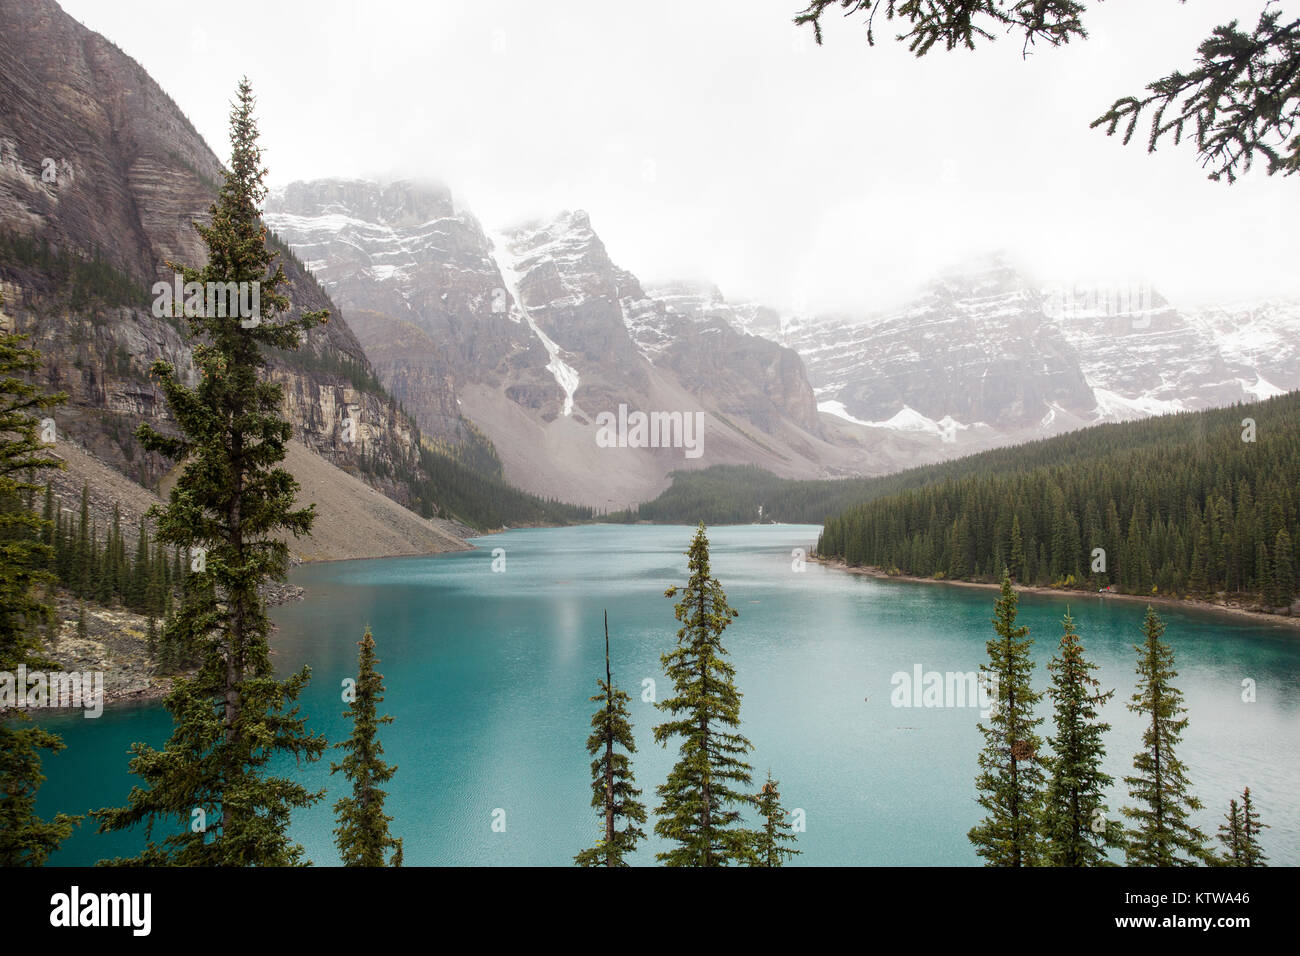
point(713, 139)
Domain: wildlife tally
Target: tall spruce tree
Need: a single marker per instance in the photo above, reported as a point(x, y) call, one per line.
point(233, 501)
point(1161, 834)
point(1075, 829)
point(1017, 568)
point(1283, 591)
point(48, 514)
point(1010, 781)
point(362, 835)
point(701, 799)
point(84, 558)
point(613, 789)
point(26, 839)
point(769, 848)
point(1230, 834)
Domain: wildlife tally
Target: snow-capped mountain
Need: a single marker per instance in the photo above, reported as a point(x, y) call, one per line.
point(533, 334)
point(987, 348)
point(1259, 342)
point(974, 348)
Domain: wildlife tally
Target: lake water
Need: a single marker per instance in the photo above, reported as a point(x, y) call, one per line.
point(489, 673)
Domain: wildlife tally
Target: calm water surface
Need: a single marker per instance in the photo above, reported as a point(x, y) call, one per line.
point(489, 675)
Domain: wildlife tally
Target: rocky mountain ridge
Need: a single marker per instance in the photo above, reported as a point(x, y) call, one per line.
point(536, 333)
point(987, 348)
point(101, 180)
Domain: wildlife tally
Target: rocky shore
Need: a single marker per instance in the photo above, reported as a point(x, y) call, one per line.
point(1224, 605)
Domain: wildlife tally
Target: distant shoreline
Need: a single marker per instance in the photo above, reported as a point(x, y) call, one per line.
point(1161, 599)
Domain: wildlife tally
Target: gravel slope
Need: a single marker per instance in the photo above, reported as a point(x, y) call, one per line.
point(352, 519)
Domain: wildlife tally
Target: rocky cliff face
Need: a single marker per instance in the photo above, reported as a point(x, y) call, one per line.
point(93, 154)
point(97, 165)
point(1139, 353)
point(417, 274)
point(695, 332)
point(569, 291)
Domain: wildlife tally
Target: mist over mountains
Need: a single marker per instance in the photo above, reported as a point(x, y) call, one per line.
point(532, 332)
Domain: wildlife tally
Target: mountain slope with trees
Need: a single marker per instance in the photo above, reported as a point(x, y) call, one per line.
point(102, 179)
point(1196, 504)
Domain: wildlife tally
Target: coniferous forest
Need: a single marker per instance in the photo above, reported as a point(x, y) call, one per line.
point(1194, 504)
point(94, 564)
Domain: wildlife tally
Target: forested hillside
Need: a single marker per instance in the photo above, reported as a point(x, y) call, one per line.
point(1197, 503)
point(734, 494)
point(475, 494)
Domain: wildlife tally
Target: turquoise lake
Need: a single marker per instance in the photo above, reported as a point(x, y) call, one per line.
point(488, 676)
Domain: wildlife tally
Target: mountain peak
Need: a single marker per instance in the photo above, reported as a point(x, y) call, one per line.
point(398, 203)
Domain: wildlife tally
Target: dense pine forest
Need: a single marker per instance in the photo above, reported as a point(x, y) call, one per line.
point(734, 494)
point(483, 499)
point(1189, 504)
point(93, 563)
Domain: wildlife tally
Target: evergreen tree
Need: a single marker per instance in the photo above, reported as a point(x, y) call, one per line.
point(156, 586)
point(232, 717)
point(1010, 781)
point(1075, 828)
point(768, 848)
point(362, 834)
point(1283, 571)
point(83, 560)
point(1161, 834)
point(1199, 582)
point(612, 784)
point(1239, 834)
point(25, 838)
point(1017, 568)
point(48, 514)
point(135, 597)
point(1252, 854)
point(1232, 103)
point(1230, 834)
point(1263, 572)
point(116, 578)
point(700, 797)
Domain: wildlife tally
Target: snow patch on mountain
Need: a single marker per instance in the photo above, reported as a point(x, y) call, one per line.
point(907, 419)
point(1113, 407)
point(839, 411)
point(1262, 388)
point(565, 375)
point(645, 325)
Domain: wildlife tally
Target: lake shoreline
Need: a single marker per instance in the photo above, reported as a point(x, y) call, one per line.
point(1154, 599)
